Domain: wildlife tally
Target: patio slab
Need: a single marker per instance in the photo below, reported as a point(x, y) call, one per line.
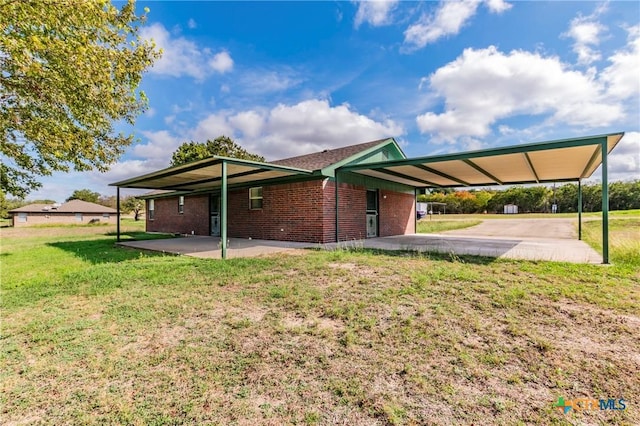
point(209, 247)
point(560, 250)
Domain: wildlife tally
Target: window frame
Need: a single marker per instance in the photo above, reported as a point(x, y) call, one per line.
point(22, 217)
point(256, 198)
point(152, 209)
point(181, 204)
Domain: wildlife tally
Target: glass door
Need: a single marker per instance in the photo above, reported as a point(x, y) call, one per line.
point(214, 209)
point(372, 213)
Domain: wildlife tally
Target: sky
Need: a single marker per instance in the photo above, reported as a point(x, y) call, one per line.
point(290, 78)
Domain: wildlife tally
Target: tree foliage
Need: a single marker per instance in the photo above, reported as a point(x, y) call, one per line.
point(538, 199)
point(133, 204)
point(85, 195)
point(222, 145)
point(69, 69)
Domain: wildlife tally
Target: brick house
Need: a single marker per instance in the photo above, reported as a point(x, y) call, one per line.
point(75, 212)
point(296, 207)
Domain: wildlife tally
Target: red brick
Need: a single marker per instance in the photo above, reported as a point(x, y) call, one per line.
point(301, 211)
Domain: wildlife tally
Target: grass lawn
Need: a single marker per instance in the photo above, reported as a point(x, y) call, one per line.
point(426, 226)
point(93, 334)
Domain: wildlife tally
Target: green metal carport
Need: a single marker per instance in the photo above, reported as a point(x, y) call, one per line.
point(567, 160)
point(216, 172)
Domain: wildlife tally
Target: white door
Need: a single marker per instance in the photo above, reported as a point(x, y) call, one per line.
point(372, 225)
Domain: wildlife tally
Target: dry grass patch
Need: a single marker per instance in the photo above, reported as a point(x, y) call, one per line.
point(326, 338)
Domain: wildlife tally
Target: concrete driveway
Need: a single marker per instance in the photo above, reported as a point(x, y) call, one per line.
point(529, 239)
point(562, 228)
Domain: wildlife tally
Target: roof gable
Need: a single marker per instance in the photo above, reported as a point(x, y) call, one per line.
point(73, 206)
point(328, 160)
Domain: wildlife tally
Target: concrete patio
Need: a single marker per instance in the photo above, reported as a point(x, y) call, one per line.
point(526, 248)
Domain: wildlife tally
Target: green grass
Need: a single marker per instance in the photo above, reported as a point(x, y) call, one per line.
point(94, 334)
point(426, 226)
point(624, 239)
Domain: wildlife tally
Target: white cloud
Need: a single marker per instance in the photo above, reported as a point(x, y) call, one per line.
point(263, 81)
point(192, 23)
point(315, 125)
point(250, 123)
point(283, 131)
point(448, 19)
point(486, 85)
point(375, 13)
point(621, 76)
point(498, 6)
point(150, 112)
point(211, 127)
point(182, 57)
point(586, 32)
point(160, 145)
point(221, 62)
point(624, 160)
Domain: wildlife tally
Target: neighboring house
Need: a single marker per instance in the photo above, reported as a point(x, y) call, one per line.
point(71, 212)
point(300, 208)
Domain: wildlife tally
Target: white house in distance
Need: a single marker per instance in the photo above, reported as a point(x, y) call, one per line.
point(72, 212)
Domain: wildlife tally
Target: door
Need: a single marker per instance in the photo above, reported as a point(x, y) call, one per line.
point(372, 213)
point(214, 210)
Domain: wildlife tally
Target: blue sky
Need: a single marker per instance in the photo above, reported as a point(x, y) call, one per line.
point(289, 78)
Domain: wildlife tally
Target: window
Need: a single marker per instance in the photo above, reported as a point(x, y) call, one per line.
point(152, 207)
point(22, 217)
point(255, 198)
point(78, 217)
point(105, 215)
point(372, 200)
point(181, 204)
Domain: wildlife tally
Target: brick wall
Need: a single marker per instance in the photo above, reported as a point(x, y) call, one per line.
point(62, 219)
point(352, 207)
point(290, 212)
point(302, 211)
point(397, 211)
point(328, 211)
point(167, 219)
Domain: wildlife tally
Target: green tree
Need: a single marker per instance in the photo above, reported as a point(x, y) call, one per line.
point(69, 69)
point(4, 206)
point(222, 145)
point(85, 195)
point(133, 204)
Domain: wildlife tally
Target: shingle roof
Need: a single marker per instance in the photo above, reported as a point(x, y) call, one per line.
point(31, 208)
point(73, 206)
point(320, 160)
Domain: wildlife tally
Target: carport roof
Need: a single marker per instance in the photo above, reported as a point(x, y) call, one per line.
point(552, 161)
point(206, 174)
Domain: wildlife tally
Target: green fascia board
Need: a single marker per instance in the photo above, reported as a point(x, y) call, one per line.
point(264, 182)
point(373, 182)
point(165, 195)
point(513, 149)
point(329, 171)
point(194, 165)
